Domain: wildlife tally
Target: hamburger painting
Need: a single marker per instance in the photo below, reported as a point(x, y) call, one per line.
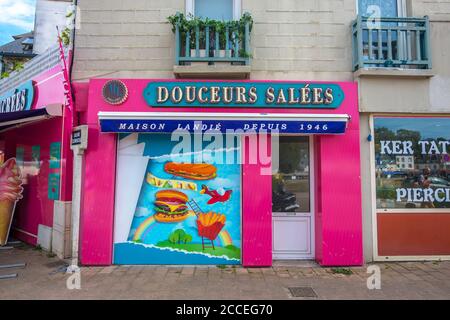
point(170, 206)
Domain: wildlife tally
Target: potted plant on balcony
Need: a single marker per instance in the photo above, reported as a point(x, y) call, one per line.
point(194, 25)
point(188, 27)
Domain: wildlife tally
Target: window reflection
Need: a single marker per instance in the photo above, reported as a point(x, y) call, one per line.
point(291, 184)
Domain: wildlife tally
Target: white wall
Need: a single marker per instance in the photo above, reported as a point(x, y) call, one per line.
point(49, 14)
point(291, 39)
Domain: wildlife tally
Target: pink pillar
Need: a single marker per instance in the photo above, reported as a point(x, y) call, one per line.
point(256, 212)
point(97, 214)
point(66, 157)
point(338, 199)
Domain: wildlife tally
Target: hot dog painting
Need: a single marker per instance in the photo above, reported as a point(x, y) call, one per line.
point(194, 171)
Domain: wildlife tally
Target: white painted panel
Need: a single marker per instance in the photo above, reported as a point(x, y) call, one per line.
point(292, 237)
point(44, 238)
point(126, 202)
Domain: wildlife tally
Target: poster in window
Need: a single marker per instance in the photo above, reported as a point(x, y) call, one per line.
point(10, 193)
point(53, 186)
point(55, 155)
point(176, 208)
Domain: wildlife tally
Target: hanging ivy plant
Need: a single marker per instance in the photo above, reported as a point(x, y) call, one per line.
point(189, 26)
point(65, 36)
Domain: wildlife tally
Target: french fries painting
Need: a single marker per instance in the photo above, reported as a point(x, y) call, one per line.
point(210, 224)
point(208, 219)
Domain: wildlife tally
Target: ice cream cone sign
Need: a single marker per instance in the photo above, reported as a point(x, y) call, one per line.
point(10, 192)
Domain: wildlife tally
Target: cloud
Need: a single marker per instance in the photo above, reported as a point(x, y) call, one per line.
point(231, 182)
point(141, 212)
point(19, 13)
point(178, 226)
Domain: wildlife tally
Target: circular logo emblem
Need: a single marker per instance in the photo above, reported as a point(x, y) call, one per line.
point(115, 92)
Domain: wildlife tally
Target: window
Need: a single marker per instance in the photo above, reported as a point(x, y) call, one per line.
point(385, 9)
point(425, 182)
point(291, 182)
point(217, 9)
point(388, 8)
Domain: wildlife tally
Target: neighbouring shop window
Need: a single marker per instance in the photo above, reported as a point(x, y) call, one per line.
point(412, 163)
point(291, 182)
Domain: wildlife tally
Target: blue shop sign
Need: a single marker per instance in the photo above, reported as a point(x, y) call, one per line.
point(19, 99)
point(220, 94)
point(222, 126)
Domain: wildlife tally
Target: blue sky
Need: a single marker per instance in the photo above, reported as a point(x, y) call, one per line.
point(428, 127)
point(16, 17)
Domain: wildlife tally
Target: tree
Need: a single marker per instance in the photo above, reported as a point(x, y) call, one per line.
point(173, 238)
point(187, 238)
point(410, 135)
point(180, 236)
point(382, 134)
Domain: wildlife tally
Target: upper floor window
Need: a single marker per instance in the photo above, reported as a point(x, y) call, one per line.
point(223, 10)
point(385, 8)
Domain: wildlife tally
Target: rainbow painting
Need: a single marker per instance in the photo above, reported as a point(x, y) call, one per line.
point(143, 228)
point(225, 238)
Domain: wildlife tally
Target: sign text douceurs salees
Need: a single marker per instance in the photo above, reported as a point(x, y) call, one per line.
point(244, 94)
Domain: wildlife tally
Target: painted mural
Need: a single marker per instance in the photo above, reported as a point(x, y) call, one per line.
point(176, 208)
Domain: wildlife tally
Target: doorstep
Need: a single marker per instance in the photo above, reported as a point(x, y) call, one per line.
point(296, 263)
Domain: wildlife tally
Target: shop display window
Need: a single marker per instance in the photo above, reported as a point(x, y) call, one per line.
point(412, 162)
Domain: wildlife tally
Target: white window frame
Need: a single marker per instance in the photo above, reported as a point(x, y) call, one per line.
point(237, 8)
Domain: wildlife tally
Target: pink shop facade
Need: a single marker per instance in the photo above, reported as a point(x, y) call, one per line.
point(220, 172)
point(35, 127)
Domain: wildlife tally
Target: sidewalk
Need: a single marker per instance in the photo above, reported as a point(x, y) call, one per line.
point(42, 279)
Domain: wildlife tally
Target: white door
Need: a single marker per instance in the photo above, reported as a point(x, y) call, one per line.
point(292, 199)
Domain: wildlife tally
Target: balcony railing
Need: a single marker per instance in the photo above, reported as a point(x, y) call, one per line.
point(212, 46)
point(391, 43)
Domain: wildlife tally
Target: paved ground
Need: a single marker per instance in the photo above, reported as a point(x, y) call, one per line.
point(42, 279)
